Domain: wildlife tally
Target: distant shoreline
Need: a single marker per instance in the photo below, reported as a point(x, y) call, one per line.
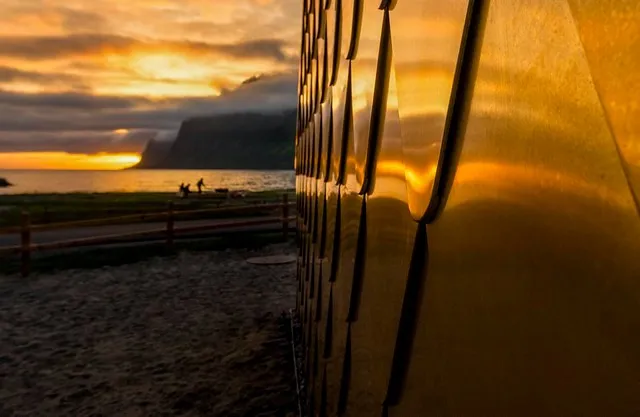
point(194, 195)
point(135, 168)
point(275, 169)
point(142, 180)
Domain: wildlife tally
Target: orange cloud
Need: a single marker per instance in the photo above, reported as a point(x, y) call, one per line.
point(109, 64)
point(63, 160)
point(105, 66)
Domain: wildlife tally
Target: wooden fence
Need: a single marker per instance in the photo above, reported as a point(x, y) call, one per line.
point(170, 231)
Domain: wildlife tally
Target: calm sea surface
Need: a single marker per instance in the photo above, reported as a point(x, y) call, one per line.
point(142, 180)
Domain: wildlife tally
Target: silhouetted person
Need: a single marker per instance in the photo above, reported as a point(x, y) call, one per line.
point(181, 190)
point(200, 184)
point(186, 191)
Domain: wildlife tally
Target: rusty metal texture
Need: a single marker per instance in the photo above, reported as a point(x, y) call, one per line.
point(468, 175)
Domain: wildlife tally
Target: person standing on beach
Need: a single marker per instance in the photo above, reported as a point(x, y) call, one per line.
point(186, 191)
point(181, 190)
point(200, 184)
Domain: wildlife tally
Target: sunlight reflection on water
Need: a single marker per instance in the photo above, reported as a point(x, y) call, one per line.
point(142, 180)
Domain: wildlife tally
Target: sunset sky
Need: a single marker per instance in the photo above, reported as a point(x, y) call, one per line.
point(85, 84)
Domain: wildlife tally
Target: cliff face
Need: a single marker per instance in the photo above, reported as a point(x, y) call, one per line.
point(154, 154)
point(234, 141)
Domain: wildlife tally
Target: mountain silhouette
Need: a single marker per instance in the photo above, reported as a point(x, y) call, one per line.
point(261, 141)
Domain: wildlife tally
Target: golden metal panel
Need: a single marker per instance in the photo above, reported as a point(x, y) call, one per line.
point(330, 363)
point(341, 76)
point(300, 69)
point(309, 139)
point(318, 8)
point(300, 116)
point(320, 81)
point(312, 148)
point(324, 81)
point(369, 60)
point(310, 145)
point(313, 87)
point(309, 110)
point(339, 96)
point(303, 151)
point(320, 283)
point(610, 34)
point(297, 161)
point(350, 206)
point(311, 193)
point(349, 222)
point(318, 145)
point(310, 153)
point(301, 145)
point(305, 109)
point(332, 37)
point(304, 25)
point(532, 293)
point(316, 17)
point(309, 40)
point(302, 110)
point(305, 55)
point(348, 32)
point(528, 303)
point(390, 232)
point(327, 137)
point(426, 37)
point(313, 29)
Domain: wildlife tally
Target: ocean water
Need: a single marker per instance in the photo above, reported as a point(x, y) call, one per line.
point(142, 180)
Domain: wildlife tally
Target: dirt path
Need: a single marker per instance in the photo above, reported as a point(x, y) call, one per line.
point(200, 334)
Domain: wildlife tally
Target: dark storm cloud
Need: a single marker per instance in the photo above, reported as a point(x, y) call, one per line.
point(48, 47)
point(252, 79)
point(84, 123)
point(9, 74)
point(75, 101)
point(85, 142)
point(262, 48)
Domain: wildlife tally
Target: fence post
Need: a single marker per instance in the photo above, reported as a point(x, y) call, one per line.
point(170, 225)
point(285, 216)
point(25, 243)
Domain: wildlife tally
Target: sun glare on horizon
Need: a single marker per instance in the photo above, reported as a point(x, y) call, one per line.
point(86, 85)
point(68, 161)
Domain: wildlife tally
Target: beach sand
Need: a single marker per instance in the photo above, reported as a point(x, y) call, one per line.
point(200, 334)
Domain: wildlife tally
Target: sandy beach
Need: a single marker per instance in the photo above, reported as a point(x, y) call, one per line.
point(200, 334)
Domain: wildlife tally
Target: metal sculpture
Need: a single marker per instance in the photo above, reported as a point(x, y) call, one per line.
point(468, 179)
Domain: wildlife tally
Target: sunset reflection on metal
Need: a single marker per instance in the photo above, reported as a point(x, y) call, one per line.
point(468, 185)
point(426, 36)
point(366, 115)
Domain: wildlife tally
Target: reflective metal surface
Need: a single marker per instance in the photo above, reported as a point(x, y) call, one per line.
point(379, 274)
point(426, 36)
point(333, 39)
point(610, 37)
point(467, 178)
point(340, 134)
point(364, 82)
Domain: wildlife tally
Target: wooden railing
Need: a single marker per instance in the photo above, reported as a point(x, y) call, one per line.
point(170, 231)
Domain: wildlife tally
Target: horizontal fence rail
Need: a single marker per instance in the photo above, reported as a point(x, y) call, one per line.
point(169, 232)
point(143, 217)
